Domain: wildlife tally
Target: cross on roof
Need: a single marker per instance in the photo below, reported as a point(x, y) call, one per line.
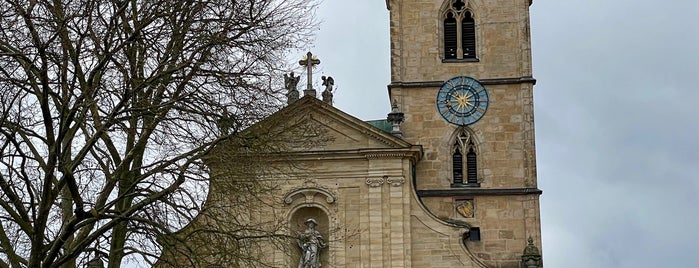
point(309, 60)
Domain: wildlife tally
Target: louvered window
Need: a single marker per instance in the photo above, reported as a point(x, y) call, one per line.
point(471, 169)
point(458, 165)
point(464, 161)
point(468, 35)
point(459, 31)
point(450, 37)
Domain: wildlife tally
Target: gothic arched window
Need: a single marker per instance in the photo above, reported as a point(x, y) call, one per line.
point(450, 36)
point(459, 31)
point(468, 35)
point(464, 162)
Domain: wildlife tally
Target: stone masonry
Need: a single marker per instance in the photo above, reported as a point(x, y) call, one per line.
point(505, 135)
point(385, 200)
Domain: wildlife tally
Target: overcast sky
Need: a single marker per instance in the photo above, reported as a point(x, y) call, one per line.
point(616, 112)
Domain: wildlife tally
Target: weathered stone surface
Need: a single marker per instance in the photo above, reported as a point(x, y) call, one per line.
point(361, 179)
point(505, 135)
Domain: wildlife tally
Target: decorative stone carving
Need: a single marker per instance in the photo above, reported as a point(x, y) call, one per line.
point(375, 182)
point(396, 117)
point(309, 194)
point(290, 83)
point(309, 61)
point(327, 94)
point(311, 242)
point(531, 258)
point(465, 208)
point(396, 182)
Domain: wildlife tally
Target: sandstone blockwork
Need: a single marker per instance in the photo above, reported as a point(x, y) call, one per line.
point(505, 205)
point(388, 198)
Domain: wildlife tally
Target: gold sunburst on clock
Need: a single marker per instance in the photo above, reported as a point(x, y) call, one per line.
point(462, 100)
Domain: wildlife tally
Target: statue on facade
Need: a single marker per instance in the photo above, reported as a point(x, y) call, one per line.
point(310, 242)
point(327, 94)
point(290, 82)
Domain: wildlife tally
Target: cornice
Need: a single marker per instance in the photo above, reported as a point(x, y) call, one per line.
point(413, 152)
point(478, 191)
point(387, 155)
point(486, 81)
point(361, 126)
point(378, 137)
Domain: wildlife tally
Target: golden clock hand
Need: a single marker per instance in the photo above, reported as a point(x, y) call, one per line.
point(469, 94)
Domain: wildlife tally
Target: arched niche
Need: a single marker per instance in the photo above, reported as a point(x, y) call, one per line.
point(311, 201)
point(297, 220)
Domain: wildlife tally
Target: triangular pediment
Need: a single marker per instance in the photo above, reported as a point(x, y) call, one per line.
point(326, 128)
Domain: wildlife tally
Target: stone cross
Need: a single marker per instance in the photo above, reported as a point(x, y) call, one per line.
point(309, 61)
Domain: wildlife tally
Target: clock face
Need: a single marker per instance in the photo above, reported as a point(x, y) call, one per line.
point(462, 100)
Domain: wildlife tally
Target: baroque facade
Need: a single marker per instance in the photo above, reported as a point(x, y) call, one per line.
point(448, 179)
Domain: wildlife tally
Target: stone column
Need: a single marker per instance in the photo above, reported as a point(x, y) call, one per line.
point(375, 221)
point(396, 218)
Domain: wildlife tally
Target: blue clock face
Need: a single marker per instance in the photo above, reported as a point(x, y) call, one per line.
point(462, 100)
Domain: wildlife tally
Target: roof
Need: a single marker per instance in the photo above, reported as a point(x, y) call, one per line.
point(381, 124)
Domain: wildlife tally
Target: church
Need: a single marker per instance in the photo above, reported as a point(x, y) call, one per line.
point(448, 179)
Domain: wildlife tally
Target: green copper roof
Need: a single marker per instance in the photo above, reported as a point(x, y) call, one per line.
point(382, 125)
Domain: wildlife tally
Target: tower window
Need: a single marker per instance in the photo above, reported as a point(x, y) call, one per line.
point(468, 35)
point(471, 169)
point(450, 37)
point(464, 161)
point(459, 31)
point(458, 165)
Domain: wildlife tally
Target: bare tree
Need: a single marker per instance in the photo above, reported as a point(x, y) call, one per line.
point(108, 107)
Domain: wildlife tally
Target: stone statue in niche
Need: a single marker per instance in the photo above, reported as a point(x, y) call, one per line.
point(311, 242)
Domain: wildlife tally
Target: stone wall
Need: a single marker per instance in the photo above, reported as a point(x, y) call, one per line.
point(502, 41)
point(504, 136)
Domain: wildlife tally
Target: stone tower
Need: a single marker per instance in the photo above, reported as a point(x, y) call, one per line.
point(478, 170)
point(447, 180)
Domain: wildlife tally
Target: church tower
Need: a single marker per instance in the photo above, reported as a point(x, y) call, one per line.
point(447, 180)
point(461, 72)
